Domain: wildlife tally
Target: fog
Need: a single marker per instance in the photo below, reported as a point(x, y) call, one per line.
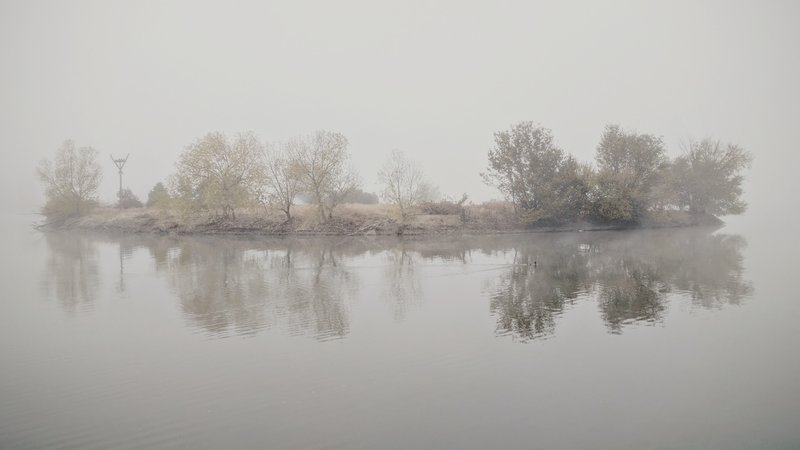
point(434, 79)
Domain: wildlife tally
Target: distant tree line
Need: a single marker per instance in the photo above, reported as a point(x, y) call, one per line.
point(632, 177)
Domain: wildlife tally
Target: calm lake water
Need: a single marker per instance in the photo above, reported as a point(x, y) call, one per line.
point(647, 339)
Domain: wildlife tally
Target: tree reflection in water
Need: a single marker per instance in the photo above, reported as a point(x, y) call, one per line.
point(228, 286)
point(403, 288)
point(541, 280)
point(630, 274)
point(220, 287)
point(72, 273)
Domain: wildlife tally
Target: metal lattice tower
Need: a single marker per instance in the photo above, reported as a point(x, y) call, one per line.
point(120, 163)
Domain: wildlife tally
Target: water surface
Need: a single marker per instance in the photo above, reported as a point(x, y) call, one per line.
point(643, 339)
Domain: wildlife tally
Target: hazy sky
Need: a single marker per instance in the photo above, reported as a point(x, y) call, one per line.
point(434, 79)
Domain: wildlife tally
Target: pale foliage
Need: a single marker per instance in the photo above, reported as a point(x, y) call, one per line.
point(709, 178)
point(127, 199)
point(70, 180)
point(324, 170)
point(539, 179)
point(214, 173)
point(522, 165)
point(628, 166)
point(404, 184)
point(158, 197)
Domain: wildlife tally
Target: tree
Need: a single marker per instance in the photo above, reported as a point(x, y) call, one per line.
point(127, 199)
point(70, 181)
point(663, 193)
point(628, 164)
point(325, 173)
point(215, 173)
point(404, 184)
point(158, 197)
point(708, 177)
point(280, 182)
point(571, 188)
point(528, 167)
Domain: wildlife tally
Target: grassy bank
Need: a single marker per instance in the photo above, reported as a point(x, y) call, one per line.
point(349, 220)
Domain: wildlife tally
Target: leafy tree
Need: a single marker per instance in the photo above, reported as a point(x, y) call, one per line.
point(70, 181)
point(158, 197)
point(127, 199)
point(663, 193)
point(571, 188)
point(404, 184)
point(523, 164)
point(541, 181)
point(628, 164)
point(708, 177)
point(324, 170)
point(218, 174)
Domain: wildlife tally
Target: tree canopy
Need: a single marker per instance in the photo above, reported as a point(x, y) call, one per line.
point(633, 176)
point(709, 177)
point(628, 164)
point(70, 181)
point(218, 174)
point(540, 180)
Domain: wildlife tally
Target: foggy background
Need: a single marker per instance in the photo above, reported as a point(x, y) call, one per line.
point(434, 79)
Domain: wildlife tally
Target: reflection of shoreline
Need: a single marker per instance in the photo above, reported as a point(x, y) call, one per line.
point(630, 275)
point(235, 285)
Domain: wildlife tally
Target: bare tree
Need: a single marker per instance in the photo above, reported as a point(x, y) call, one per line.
point(70, 180)
point(280, 178)
point(214, 173)
point(325, 171)
point(404, 184)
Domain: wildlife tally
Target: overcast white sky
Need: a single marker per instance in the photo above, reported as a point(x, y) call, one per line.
point(434, 79)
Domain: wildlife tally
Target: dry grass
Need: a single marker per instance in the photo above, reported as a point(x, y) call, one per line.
point(349, 219)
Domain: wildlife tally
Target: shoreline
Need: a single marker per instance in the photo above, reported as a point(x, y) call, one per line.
point(352, 220)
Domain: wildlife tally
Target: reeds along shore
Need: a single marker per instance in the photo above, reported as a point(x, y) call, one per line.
point(351, 219)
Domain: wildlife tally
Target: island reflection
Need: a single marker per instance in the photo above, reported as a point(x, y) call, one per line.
point(231, 286)
point(631, 275)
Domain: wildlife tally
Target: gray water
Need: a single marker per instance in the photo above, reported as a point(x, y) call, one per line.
point(639, 339)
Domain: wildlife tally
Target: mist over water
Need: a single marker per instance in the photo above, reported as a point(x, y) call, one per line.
point(353, 342)
point(228, 286)
point(680, 338)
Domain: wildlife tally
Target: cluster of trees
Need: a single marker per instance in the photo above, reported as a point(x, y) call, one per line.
point(221, 175)
point(218, 174)
point(633, 176)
